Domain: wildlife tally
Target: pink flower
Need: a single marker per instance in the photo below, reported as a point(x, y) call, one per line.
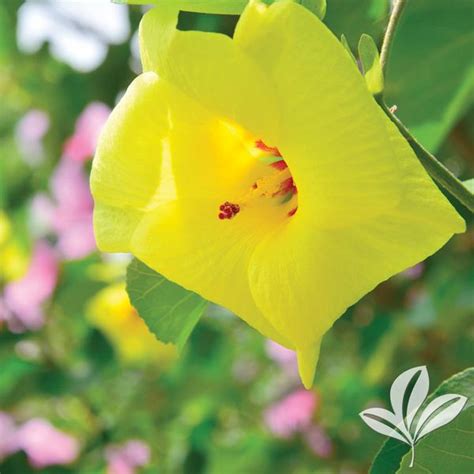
point(7, 430)
point(69, 213)
point(23, 299)
point(29, 134)
point(44, 444)
point(72, 217)
point(292, 414)
point(415, 272)
point(82, 144)
point(318, 441)
point(284, 357)
point(125, 458)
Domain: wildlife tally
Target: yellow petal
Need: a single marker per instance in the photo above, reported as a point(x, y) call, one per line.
point(303, 278)
point(182, 162)
point(127, 167)
point(307, 360)
point(209, 68)
point(330, 135)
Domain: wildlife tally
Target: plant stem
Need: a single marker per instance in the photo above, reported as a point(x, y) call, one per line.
point(390, 32)
point(435, 169)
point(412, 455)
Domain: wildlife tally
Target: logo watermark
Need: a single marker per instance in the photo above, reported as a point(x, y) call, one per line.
point(408, 422)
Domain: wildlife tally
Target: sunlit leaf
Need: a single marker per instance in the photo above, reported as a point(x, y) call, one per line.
point(170, 311)
point(347, 47)
point(469, 185)
point(370, 59)
point(318, 7)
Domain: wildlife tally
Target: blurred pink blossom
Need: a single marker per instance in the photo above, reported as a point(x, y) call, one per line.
point(415, 272)
point(44, 444)
point(281, 355)
point(81, 146)
point(7, 430)
point(318, 441)
point(292, 414)
point(125, 458)
point(69, 213)
point(23, 299)
point(29, 134)
point(72, 218)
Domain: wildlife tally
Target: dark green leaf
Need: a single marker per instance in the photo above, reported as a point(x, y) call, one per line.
point(449, 449)
point(354, 17)
point(170, 311)
point(318, 7)
point(429, 72)
point(394, 453)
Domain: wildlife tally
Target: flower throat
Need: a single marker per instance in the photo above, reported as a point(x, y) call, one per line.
point(278, 184)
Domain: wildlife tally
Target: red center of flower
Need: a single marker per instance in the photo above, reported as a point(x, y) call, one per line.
point(276, 184)
point(268, 149)
point(228, 210)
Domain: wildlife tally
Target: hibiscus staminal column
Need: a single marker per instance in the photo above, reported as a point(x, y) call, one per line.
point(276, 183)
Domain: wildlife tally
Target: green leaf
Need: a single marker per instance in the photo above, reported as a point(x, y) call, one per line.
point(170, 311)
point(449, 449)
point(13, 369)
point(354, 17)
point(370, 59)
point(347, 47)
point(318, 7)
point(392, 456)
point(469, 184)
point(430, 75)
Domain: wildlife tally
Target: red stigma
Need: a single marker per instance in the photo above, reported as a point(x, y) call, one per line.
point(268, 149)
point(292, 212)
point(228, 210)
point(279, 165)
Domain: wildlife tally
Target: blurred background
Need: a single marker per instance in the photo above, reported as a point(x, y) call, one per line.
point(84, 388)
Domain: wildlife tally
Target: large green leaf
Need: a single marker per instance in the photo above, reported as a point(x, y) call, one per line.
point(430, 73)
point(394, 457)
point(448, 449)
point(170, 311)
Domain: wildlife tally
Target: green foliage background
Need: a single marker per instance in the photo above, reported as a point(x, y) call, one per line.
point(204, 414)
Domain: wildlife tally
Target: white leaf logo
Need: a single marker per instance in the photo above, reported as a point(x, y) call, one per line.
point(406, 423)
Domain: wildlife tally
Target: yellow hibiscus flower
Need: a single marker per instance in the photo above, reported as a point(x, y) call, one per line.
point(110, 311)
point(260, 173)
